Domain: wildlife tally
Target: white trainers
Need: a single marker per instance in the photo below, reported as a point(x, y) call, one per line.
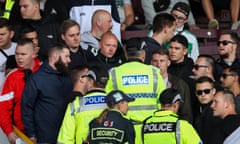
point(236, 25)
point(213, 24)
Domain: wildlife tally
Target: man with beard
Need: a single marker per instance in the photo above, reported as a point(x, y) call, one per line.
point(44, 96)
point(230, 79)
point(227, 49)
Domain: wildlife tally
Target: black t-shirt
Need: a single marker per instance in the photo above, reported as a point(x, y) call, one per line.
point(230, 123)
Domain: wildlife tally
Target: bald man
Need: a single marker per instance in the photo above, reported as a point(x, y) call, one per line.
point(108, 55)
point(101, 23)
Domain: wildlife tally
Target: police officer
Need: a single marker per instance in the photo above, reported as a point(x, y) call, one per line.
point(139, 81)
point(84, 106)
point(111, 126)
point(165, 126)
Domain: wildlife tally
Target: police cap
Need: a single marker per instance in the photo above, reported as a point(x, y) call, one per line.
point(117, 96)
point(91, 74)
point(135, 44)
point(101, 73)
point(169, 96)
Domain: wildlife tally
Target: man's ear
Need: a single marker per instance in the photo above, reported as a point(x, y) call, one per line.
point(176, 106)
point(185, 51)
point(12, 34)
point(236, 78)
point(63, 37)
point(168, 63)
point(165, 30)
point(214, 91)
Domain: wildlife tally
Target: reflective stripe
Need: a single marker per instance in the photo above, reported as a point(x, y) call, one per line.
point(178, 140)
point(72, 108)
point(144, 107)
point(92, 107)
point(143, 95)
point(7, 96)
point(155, 80)
point(83, 107)
point(114, 79)
point(8, 8)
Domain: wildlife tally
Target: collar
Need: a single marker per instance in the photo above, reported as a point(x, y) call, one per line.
point(95, 90)
point(222, 61)
point(161, 113)
point(179, 30)
point(134, 60)
point(77, 93)
point(186, 61)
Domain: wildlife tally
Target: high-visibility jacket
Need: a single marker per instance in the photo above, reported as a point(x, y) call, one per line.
point(8, 8)
point(164, 126)
point(79, 113)
point(142, 82)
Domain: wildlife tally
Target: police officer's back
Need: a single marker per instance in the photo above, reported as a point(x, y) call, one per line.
point(137, 80)
point(87, 102)
point(165, 126)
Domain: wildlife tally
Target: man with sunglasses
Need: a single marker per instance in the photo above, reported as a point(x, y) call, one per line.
point(230, 79)
point(227, 49)
point(205, 66)
point(205, 123)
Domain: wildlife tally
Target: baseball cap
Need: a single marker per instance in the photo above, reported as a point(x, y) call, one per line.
point(117, 96)
point(90, 74)
point(161, 5)
point(135, 44)
point(182, 7)
point(170, 96)
point(100, 72)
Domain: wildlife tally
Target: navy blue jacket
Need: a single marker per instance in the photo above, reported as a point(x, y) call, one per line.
point(44, 103)
point(151, 46)
point(114, 122)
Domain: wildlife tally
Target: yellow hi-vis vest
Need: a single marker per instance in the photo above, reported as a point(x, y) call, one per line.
point(142, 82)
point(79, 113)
point(164, 126)
point(8, 8)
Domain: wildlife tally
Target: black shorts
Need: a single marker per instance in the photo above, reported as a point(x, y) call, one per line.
point(221, 4)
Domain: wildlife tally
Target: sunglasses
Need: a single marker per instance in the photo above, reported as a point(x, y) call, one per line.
point(196, 66)
point(224, 42)
point(200, 92)
point(225, 75)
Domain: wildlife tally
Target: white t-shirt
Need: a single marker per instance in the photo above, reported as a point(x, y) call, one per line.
point(3, 60)
point(120, 7)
